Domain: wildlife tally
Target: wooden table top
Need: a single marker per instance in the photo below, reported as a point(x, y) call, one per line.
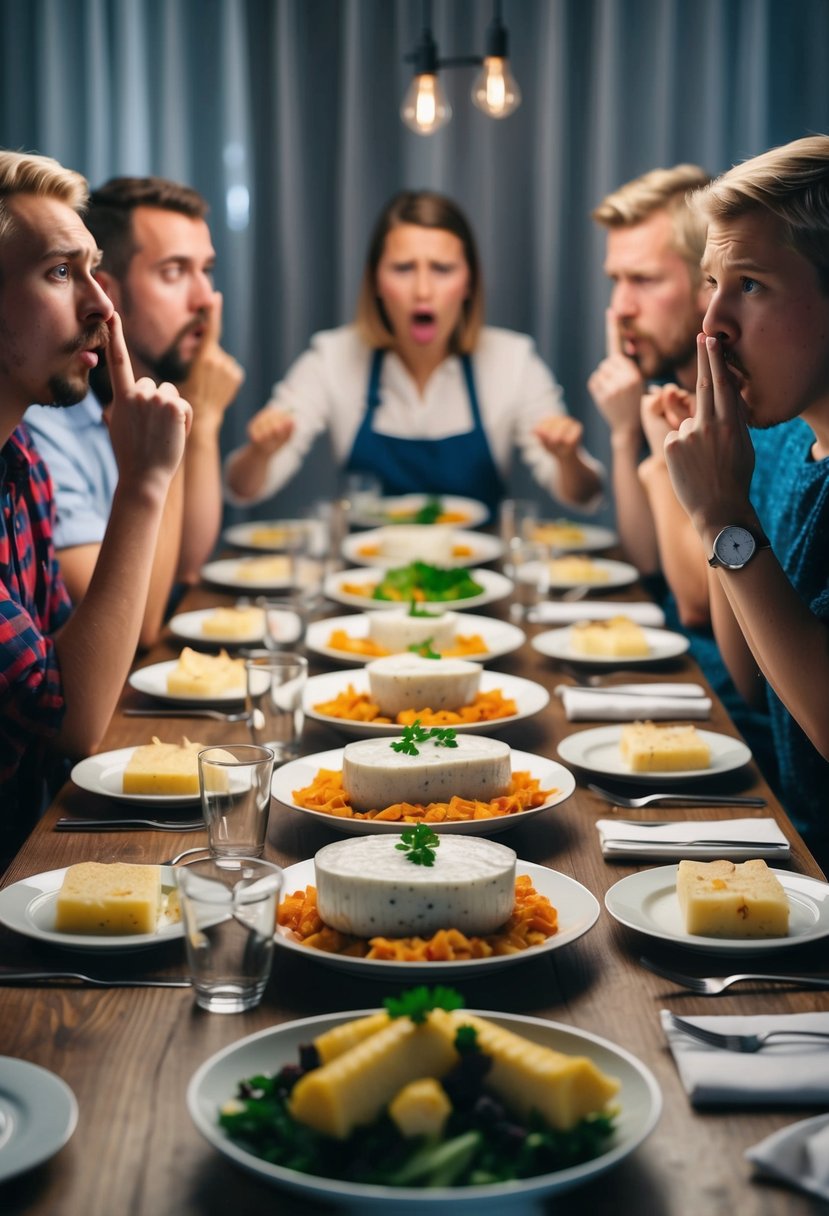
point(128, 1054)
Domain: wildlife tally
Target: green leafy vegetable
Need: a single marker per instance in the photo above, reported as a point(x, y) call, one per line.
point(442, 736)
point(433, 584)
point(424, 649)
point(419, 844)
point(415, 1003)
point(416, 610)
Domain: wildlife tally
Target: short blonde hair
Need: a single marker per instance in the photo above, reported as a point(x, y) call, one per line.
point(425, 210)
point(27, 173)
point(661, 190)
point(792, 183)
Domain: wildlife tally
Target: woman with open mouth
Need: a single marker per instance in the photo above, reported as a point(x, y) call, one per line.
point(417, 390)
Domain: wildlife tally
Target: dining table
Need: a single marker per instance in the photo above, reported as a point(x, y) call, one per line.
point(128, 1054)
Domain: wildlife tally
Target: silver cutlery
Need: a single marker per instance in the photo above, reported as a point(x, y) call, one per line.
point(689, 799)
point(680, 692)
point(635, 846)
point(68, 824)
point(35, 978)
point(740, 1042)
point(713, 986)
point(216, 714)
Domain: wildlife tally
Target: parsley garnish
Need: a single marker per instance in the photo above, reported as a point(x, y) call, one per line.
point(416, 610)
point(424, 649)
point(419, 843)
point(443, 736)
point(417, 1002)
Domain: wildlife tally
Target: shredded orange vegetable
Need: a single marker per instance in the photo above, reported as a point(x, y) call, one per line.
point(359, 707)
point(533, 920)
point(463, 645)
point(326, 795)
point(373, 550)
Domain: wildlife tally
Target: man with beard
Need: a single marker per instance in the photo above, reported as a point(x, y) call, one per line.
point(157, 268)
point(61, 673)
point(763, 359)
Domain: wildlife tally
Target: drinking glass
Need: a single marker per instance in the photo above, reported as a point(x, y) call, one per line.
point(517, 519)
point(526, 563)
point(235, 787)
point(286, 619)
point(275, 691)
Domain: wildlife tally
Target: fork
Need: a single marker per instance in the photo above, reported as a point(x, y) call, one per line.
point(42, 977)
point(739, 1042)
point(713, 986)
point(688, 799)
point(216, 714)
point(68, 824)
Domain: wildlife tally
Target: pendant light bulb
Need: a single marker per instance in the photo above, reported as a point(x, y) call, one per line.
point(495, 90)
point(425, 108)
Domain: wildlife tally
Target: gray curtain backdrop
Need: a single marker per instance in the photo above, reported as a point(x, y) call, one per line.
point(284, 114)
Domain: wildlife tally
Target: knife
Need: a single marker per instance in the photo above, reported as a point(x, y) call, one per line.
point(76, 978)
point(627, 845)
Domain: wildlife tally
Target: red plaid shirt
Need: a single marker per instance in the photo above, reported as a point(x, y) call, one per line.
point(33, 604)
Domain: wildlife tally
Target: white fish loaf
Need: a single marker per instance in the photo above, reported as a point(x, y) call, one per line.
point(416, 542)
point(376, 776)
point(396, 631)
point(408, 681)
point(368, 887)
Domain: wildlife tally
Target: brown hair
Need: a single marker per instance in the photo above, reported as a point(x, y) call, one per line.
point(661, 190)
point(791, 182)
point(27, 173)
point(111, 209)
point(425, 210)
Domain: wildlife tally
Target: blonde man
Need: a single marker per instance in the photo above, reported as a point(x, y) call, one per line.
point(61, 674)
point(763, 359)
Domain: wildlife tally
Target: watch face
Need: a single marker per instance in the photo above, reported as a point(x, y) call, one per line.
point(734, 546)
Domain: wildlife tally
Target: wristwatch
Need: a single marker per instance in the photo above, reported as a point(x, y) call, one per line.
point(734, 547)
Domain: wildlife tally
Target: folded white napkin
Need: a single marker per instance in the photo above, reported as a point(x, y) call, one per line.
point(564, 612)
point(797, 1154)
point(786, 1072)
point(634, 702)
point(736, 838)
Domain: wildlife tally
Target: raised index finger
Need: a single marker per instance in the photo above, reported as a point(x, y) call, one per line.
point(118, 360)
point(705, 382)
point(613, 339)
point(214, 319)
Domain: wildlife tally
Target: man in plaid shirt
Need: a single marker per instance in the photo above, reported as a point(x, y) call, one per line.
point(61, 674)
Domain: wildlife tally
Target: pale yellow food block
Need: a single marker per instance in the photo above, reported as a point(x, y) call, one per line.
point(619, 636)
point(206, 675)
point(163, 768)
point(264, 569)
point(728, 899)
point(273, 534)
point(558, 532)
point(234, 623)
point(422, 1108)
point(648, 748)
point(109, 899)
point(576, 569)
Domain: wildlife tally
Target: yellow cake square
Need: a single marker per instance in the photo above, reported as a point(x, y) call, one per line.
point(206, 675)
point(163, 768)
point(236, 622)
point(575, 568)
point(648, 748)
point(616, 637)
point(558, 532)
point(264, 569)
point(731, 899)
point(109, 899)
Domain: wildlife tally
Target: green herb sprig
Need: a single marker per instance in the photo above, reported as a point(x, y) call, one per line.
point(419, 844)
point(443, 736)
point(416, 1003)
point(424, 649)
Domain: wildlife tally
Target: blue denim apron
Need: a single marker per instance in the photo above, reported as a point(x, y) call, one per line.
point(457, 464)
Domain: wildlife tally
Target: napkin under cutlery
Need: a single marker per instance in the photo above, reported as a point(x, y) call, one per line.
point(634, 702)
point(564, 612)
point(797, 1154)
point(787, 1072)
point(735, 839)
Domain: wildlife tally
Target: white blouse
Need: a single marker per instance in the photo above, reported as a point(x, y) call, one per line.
point(326, 388)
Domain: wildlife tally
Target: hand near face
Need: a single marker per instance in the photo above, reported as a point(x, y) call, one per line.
point(617, 385)
point(560, 435)
point(270, 429)
point(710, 457)
point(148, 423)
point(215, 377)
point(663, 410)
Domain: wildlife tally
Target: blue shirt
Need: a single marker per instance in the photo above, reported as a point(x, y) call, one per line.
point(76, 447)
point(790, 492)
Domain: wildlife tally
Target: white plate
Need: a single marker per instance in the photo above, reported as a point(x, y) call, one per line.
point(499, 636)
point(619, 574)
point(28, 907)
point(577, 910)
point(269, 1050)
point(480, 546)
point(598, 751)
point(555, 644)
point(472, 511)
point(225, 573)
point(530, 698)
point(242, 535)
point(495, 587)
point(104, 774)
point(647, 901)
point(152, 680)
point(299, 773)
point(38, 1114)
point(593, 538)
point(188, 625)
